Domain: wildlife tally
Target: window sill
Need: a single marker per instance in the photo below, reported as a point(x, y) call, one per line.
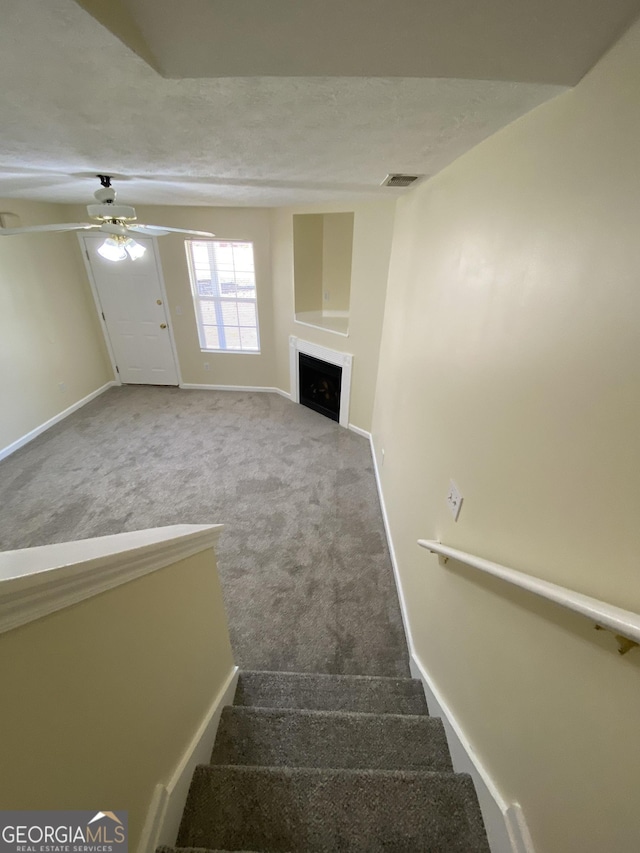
point(231, 351)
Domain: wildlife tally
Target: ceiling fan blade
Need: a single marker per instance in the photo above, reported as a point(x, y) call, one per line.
point(148, 230)
point(63, 226)
point(158, 230)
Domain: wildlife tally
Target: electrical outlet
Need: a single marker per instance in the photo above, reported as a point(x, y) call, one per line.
point(62, 386)
point(179, 310)
point(206, 365)
point(327, 295)
point(454, 500)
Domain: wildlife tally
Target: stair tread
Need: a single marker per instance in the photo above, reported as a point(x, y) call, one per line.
point(311, 691)
point(318, 810)
point(198, 850)
point(335, 739)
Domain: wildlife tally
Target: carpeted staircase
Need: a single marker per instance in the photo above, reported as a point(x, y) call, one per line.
point(330, 763)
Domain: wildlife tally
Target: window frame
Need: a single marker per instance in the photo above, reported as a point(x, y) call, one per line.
point(218, 300)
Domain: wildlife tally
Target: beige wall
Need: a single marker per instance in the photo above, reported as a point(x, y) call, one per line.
point(271, 232)
point(241, 223)
point(337, 250)
point(373, 229)
point(101, 699)
point(48, 327)
point(308, 235)
point(510, 362)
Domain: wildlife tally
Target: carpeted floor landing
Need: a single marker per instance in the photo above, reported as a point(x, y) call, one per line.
point(303, 561)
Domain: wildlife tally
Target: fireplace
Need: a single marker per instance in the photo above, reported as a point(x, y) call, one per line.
point(330, 392)
point(320, 385)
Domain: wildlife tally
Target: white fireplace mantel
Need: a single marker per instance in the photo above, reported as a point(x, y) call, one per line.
point(341, 359)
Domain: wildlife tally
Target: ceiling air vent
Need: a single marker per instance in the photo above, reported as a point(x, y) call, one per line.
point(400, 180)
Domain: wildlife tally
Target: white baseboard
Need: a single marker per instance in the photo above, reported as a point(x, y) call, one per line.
point(521, 841)
point(505, 823)
point(34, 433)
point(191, 386)
point(392, 553)
point(169, 798)
point(359, 431)
point(282, 393)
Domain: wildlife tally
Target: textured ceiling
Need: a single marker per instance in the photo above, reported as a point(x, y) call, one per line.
point(77, 101)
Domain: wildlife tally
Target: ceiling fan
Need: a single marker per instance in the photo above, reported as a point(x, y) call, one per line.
point(117, 221)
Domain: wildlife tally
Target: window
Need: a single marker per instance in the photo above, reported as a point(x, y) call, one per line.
point(223, 282)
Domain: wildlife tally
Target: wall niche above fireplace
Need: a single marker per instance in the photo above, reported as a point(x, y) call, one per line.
point(322, 252)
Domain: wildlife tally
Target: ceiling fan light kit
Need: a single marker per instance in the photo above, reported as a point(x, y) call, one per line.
point(117, 248)
point(111, 250)
point(118, 221)
point(133, 249)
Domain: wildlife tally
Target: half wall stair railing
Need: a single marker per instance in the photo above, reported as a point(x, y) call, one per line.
point(623, 624)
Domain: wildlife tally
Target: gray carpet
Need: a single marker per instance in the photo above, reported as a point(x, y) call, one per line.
point(303, 561)
point(321, 781)
point(282, 737)
point(370, 695)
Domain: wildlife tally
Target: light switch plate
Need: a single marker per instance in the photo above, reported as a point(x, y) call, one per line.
point(454, 500)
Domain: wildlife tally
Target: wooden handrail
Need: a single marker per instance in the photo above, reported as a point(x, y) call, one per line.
point(625, 624)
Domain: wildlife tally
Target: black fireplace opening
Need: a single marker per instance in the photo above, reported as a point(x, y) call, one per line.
point(320, 384)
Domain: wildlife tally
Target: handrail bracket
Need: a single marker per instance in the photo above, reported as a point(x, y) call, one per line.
point(624, 643)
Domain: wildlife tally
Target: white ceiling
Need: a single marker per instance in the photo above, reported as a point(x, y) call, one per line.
point(75, 101)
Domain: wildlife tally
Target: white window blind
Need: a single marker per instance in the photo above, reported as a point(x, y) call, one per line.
point(223, 282)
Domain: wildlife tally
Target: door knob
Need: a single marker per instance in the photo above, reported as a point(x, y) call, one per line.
point(163, 325)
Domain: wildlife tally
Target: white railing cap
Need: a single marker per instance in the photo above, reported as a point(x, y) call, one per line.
point(37, 581)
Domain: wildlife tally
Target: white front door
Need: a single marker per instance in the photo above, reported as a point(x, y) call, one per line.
point(134, 314)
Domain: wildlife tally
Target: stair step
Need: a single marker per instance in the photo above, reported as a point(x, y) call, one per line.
point(317, 811)
point(196, 850)
point(360, 693)
point(277, 737)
